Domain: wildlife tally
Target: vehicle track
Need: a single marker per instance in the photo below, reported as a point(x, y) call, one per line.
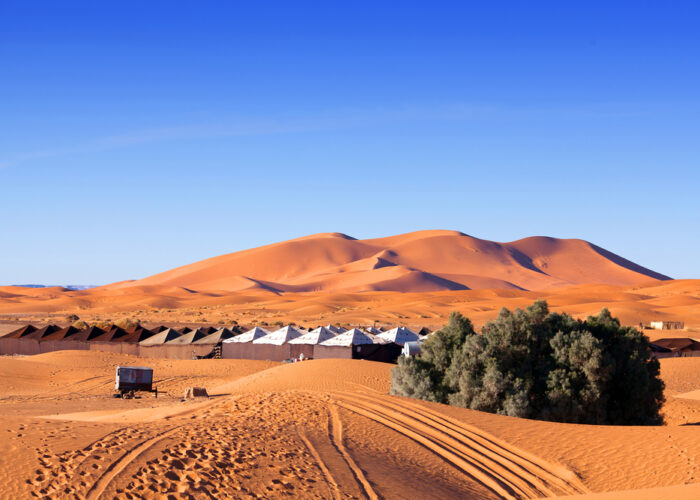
point(502, 468)
point(332, 484)
point(115, 468)
point(335, 434)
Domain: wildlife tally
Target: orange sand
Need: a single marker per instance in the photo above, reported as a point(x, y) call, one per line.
point(414, 279)
point(415, 262)
point(668, 300)
point(321, 428)
point(327, 428)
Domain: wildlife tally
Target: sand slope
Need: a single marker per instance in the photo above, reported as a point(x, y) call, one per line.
point(318, 429)
point(416, 262)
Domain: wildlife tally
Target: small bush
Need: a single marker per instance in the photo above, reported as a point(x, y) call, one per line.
point(127, 323)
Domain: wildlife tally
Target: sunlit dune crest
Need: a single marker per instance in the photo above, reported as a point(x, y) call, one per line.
point(415, 262)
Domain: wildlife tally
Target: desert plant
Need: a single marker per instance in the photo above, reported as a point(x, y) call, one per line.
point(80, 324)
point(536, 364)
point(127, 323)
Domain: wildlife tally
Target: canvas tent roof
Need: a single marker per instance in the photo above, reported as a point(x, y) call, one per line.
point(350, 338)
point(279, 337)
point(216, 337)
point(114, 334)
point(188, 338)
point(162, 337)
point(250, 335)
point(320, 334)
point(61, 334)
point(680, 344)
point(138, 334)
point(41, 332)
point(88, 333)
point(184, 329)
point(21, 332)
point(373, 330)
point(399, 335)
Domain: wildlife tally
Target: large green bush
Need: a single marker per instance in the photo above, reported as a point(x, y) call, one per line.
point(535, 364)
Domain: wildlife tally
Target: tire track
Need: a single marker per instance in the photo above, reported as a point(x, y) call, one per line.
point(336, 436)
point(482, 475)
point(332, 484)
point(116, 467)
point(562, 477)
point(498, 466)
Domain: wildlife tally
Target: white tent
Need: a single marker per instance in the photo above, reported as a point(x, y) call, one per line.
point(350, 338)
point(250, 335)
point(320, 334)
point(279, 337)
point(411, 349)
point(373, 330)
point(399, 335)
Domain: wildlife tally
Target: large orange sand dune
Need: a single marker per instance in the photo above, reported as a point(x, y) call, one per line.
point(414, 262)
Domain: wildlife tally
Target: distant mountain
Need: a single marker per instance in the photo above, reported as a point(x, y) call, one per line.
point(413, 262)
point(69, 287)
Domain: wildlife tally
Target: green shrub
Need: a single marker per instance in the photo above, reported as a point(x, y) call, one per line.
point(535, 364)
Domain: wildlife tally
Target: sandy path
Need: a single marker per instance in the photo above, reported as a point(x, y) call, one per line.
point(502, 468)
point(319, 429)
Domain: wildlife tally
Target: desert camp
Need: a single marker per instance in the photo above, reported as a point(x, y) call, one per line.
point(349, 250)
point(257, 343)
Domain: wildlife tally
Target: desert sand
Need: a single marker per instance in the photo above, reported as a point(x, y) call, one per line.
point(328, 428)
point(153, 305)
point(414, 279)
point(422, 261)
point(320, 428)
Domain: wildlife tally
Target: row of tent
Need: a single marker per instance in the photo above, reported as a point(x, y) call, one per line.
point(139, 335)
point(329, 335)
point(326, 336)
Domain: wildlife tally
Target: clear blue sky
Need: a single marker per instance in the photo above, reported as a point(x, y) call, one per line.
point(139, 136)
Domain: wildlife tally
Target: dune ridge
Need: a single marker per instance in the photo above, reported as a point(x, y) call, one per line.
point(421, 261)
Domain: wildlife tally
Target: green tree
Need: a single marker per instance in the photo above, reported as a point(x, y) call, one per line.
point(536, 364)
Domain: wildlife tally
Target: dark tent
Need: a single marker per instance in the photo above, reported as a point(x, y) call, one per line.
point(138, 334)
point(61, 334)
point(87, 333)
point(21, 332)
point(676, 345)
point(42, 332)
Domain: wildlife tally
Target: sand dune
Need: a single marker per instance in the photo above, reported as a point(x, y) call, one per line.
point(318, 429)
point(420, 261)
point(416, 279)
point(158, 304)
